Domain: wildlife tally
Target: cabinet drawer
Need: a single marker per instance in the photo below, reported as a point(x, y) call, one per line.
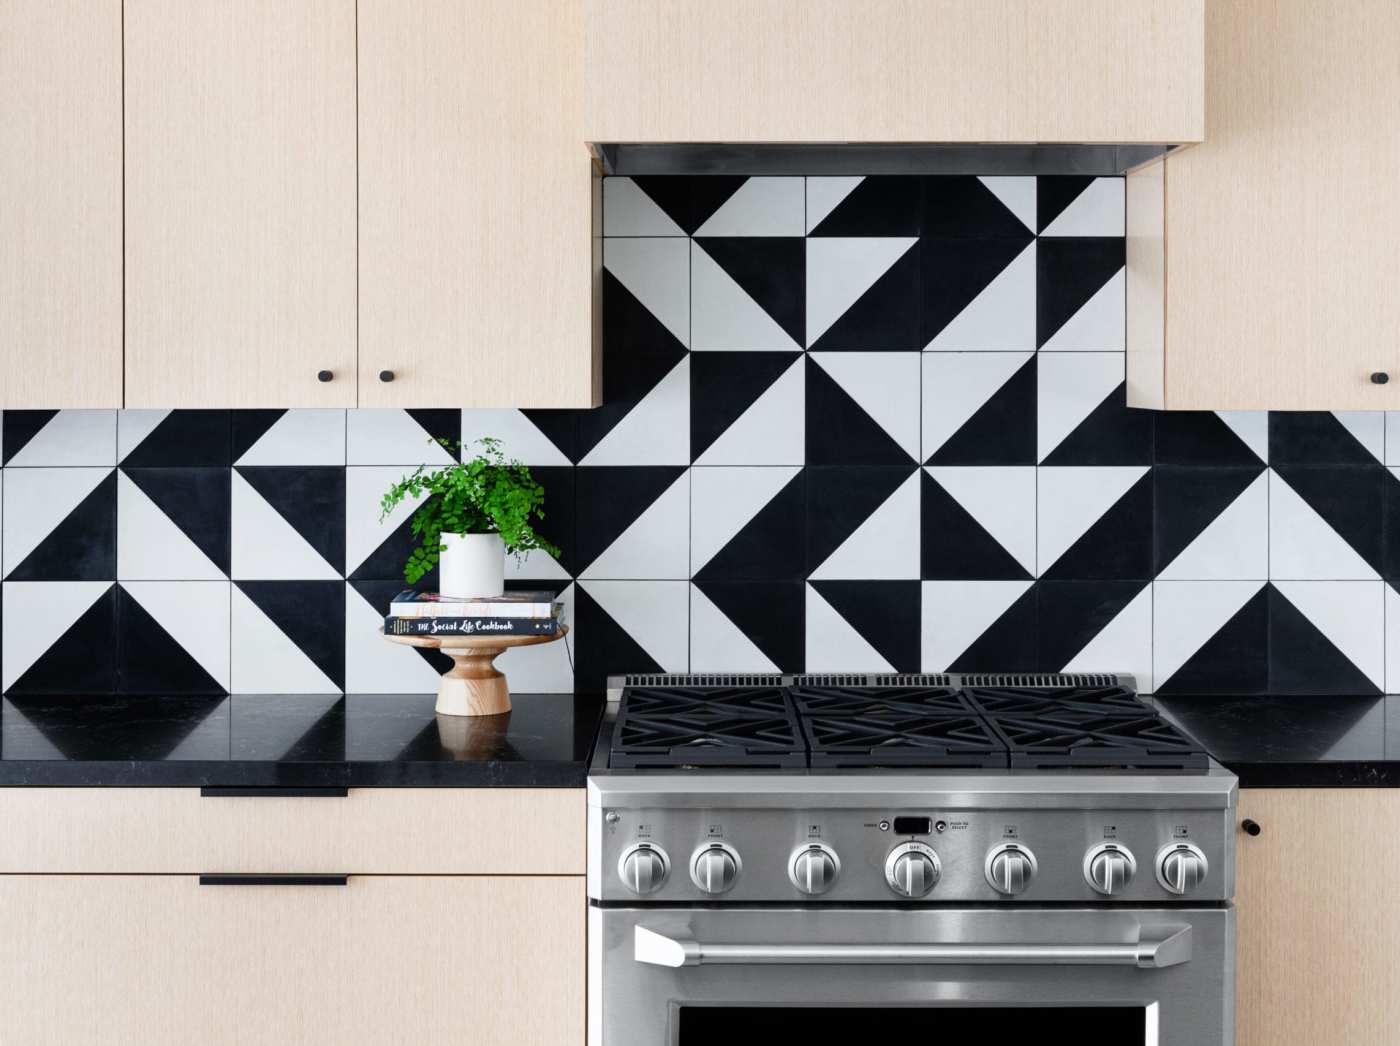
point(492, 961)
point(446, 831)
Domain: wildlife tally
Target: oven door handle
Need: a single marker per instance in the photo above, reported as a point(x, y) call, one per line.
point(1157, 948)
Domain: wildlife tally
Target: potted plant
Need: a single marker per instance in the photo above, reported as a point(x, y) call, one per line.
point(476, 512)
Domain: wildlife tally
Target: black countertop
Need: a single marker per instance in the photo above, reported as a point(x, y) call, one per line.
point(1297, 742)
point(295, 741)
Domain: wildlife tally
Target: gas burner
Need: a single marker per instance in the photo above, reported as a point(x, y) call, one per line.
point(681, 726)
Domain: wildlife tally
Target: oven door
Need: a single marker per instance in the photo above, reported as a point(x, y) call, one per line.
point(1122, 977)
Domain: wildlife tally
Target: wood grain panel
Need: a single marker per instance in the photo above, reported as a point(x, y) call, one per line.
point(240, 203)
point(60, 203)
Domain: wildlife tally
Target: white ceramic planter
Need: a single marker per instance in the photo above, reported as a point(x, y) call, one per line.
point(473, 565)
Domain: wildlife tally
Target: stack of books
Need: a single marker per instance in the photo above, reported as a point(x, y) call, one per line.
point(513, 614)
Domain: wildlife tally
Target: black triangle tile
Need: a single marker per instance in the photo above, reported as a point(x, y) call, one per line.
point(249, 426)
point(311, 613)
point(560, 427)
point(962, 206)
point(82, 660)
point(772, 270)
point(1112, 434)
point(1053, 195)
point(609, 649)
point(885, 317)
point(764, 548)
point(725, 384)
point(954, 545)
point(881, 205)
point(839, 500)
point(18, 427)
point(1008, 644)
point(557, 526)
point(197, 500)
point(379, 594)
point(610, 499)
point(1232, 661)
point(1187, 500)
point(772, 614)
point(884, 613)
point(1117, 546)
point(955, 271)
point(442, 426)
point(1197, 437)
point(1002, 431)
point(150, 660)
point(690, 200)
point(83, 547)
point(311, 499)
point(1069, 272)
point(186, 437)
point(1313, 438)
point(1349, 497)
point(1073, 612)
point(1302, 660)
point(386, 562)
point(839, 431)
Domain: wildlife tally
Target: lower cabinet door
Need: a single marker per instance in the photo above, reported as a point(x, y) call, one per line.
point(157, 959)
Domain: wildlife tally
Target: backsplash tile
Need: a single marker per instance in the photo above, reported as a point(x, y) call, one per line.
point(850, 424)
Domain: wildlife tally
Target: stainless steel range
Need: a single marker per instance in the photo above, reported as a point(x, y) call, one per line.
point(818, 857)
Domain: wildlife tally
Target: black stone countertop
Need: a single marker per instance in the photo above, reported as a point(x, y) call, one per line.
point(1297, 742)
point(294, 741)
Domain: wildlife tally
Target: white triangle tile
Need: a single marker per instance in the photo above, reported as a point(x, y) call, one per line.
point(955, 613)
point(1001, 499)
point(364, 486)
point(1071, 500)
point(1100, 324)
point(724, 317)
point(1251, 426)
point(36, 614)
point(1392, 437)
point(1351, 614)
point(656, 614)
point(133, 426)
point(1368, 426)
point(833, 645)
point(841, 269)
point(1097, 211)
point(628, 211)
point(724, 500)
point(196, 614)
point(72, 437)
point(37, 501)
point(654, 432)
point(1001, 318)
point(547, 668)
point(301, 437)
point(1124, 644)
point(657, 272)
point(760, 207)
point(825, 194)
point(150, 547)
point(719, 645)
point(1392, 640)
point(655, 545)
point(265, 546)
point(519, 436)
point(391, 437)
point(771, 431)
point(1233, 545)
point(1017, 195)
point(266, 660)
point(1185, 614)
point(883, 548)
point(955, 387)
point(885, 385)
point(1303, 545)
point(1070, 386)
point(373, 666)
point(535, 565)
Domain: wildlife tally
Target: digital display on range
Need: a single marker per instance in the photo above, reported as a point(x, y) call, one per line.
point(913, 825)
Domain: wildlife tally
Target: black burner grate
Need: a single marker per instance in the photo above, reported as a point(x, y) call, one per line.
point(676, 726)
point(894, 726)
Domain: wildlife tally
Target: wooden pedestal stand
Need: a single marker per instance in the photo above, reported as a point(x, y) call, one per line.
point(473, 686)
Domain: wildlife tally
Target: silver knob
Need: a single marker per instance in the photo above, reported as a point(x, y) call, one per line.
point(813, 869)
point(1010, 868)
point(715, 868)
point(1109, 868)
point(644, 868)
point(1181, 867)
point(912, 869)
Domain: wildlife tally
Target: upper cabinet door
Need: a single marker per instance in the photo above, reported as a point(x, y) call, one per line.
point(60, 203)
point(477, 250)
point(895, 71)
point(240, 203)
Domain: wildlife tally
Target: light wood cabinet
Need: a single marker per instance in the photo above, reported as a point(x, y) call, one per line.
point(1318, 917)
point(1080, 71)
point(478, 252)
point(60, 203)
point(240, 203)
point(493, 961)
point(1275, 284)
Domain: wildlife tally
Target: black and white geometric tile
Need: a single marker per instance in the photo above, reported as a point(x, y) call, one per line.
point(849, 424)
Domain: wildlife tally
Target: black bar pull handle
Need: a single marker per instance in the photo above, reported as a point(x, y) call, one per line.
point(274, 880)
point(223, 791)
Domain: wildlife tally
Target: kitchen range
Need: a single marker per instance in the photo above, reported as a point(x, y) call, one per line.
point(813, 857)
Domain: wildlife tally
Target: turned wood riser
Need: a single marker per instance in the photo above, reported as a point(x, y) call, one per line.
point(473, 686)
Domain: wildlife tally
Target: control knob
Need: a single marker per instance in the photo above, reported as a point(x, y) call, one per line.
point(912, 869)
point(1010, 868)
point(813, 868)
point(1109, 868)
point(644, 868)
point(715, 868)
point(1181, 867)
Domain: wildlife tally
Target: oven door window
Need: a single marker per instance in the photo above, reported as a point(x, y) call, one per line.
point(820, 1026)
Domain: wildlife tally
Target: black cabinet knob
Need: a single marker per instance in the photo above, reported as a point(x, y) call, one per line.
point(1380, 377)
point(386, 375)
point(324, 375)
point(1250, 827)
